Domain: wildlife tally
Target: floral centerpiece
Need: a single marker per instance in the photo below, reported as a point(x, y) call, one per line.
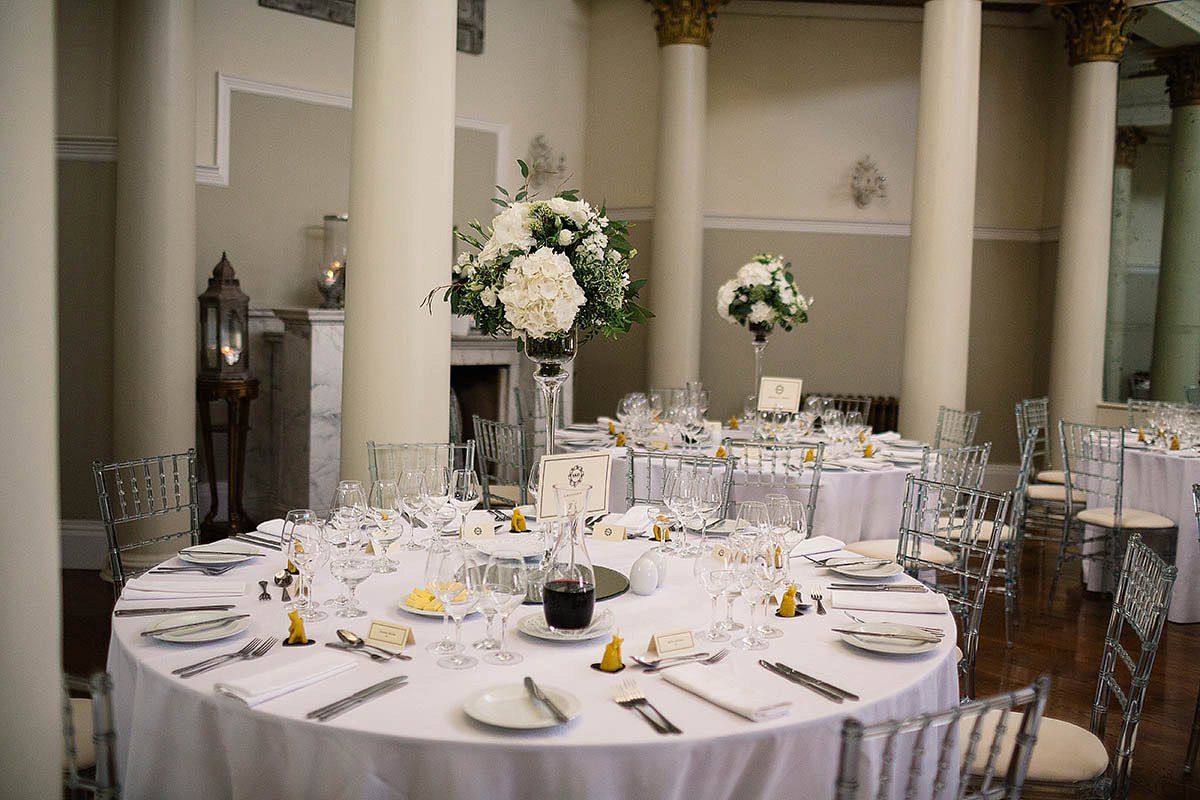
point(762, 295)
point(551, 273)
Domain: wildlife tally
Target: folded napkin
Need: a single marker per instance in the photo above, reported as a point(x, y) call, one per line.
point(173, 587)
point(721, 690)
point(870, 464)
point(818, 544)
point(636, 519)
point(889, 436)
point(289, 677)
point(875, 600)
point(272, 528)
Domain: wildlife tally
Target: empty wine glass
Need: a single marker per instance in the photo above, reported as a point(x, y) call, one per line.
point(344, 530)
point(753, 575)
point(707, 496)
point(412, 490)
point(715, 572)
point(773, 578)
point(387, 523)
point(464, 492)
point(436, 552)
point(456, 585)
point(349, 563)
point(505, 579)
point(306, 549)
point(677, 497)
point(435, 496)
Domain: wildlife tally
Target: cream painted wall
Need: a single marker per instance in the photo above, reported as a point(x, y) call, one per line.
point(86, 67)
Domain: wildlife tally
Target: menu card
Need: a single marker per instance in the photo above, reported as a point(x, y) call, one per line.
point(779, 394)
point(593, 468)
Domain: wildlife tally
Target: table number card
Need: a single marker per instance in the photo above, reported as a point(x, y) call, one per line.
point(672, 642)
point(779, 394)
point(613, 533)
point(722, 553)
point(479, 529)
point(389, 634)
point(592, 468)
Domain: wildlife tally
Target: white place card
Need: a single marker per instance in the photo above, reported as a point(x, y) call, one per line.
point(389, 634)
point(779, 394)
point(592, 468)
point(613, 533)
point(478, 529)
point(672, 642)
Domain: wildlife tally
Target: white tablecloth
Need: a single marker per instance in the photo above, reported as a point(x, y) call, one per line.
point(178, 739)
point(1161, 481)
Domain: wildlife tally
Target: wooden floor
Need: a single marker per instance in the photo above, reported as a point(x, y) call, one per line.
point(1062, 639)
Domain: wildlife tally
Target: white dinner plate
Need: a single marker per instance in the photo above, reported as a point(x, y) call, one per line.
point(535, 625)
point(911, 444)
point(865, 570)
point(510, 706)
point(913, 456)
point(882, 644)
point(421, 612)
point(527, 544)
point(196, 555)
point(202, 634)
point(722, 527)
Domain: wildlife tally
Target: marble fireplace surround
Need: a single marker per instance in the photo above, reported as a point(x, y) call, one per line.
point(294, 445)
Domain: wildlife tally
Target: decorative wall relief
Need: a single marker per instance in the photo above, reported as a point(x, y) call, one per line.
point(547, 168)
point(866, 182)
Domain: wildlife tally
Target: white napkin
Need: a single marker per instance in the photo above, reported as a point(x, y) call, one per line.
point(870, 464)
point(818, 544)
point(721, 690)
point(272, 528)
point(264, 686)
point(876, 600)
point(888, 436)
point(172, 587)
point(636, 519)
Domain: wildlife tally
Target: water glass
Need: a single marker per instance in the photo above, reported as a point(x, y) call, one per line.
point(303, 532)
point(464, 492)
point(437, 551)
point(387, 524)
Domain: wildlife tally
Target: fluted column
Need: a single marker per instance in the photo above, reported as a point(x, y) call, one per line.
point(154, 281)
point(29, 559)
point(1095, 43)
point(1176, 360)
point(684, 32)
point(1127, 143)
point(396, 362)
point(938, 319)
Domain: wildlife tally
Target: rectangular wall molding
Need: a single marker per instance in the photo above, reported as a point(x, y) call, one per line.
point(84, 545)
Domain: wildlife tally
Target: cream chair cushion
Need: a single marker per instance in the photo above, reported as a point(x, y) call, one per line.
point(1006, 532)
point(1050, 491)
point(886, 548)
point(1131, 518)
point(1063, 753)
point(1052, 476)
point(85, 748)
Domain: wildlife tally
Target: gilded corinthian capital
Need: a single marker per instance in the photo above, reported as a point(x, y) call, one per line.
point(1182, 65)
point(1096, 29)
point(685, 21)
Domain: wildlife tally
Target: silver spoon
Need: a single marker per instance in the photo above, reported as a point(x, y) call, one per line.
point(283, 579)
point(354, 640)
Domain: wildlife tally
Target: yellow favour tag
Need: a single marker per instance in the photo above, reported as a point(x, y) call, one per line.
point(518, 522)
point(869, 450)
point(787, 608)
point(620, 440)
point(390, 634)
point(613, 533)
point(612, 431)
point(612, 655)
point(862, 436)
point(1174, 442)
point(680, 641)
point(296, 629)
point(733, 423)
point(721, 452)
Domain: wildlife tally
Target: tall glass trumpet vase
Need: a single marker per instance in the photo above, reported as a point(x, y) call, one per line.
point(551, 354)
point(760, 345)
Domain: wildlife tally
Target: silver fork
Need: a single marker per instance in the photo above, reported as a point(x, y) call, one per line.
point(713, 659)
point(636, 699)
point(926, 628)
point(217, 570)
point(815, 594)
point(257, 652)
point(249, 647)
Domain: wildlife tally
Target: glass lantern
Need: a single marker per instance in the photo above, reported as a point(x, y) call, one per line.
point(332, 280)
point(224, 332)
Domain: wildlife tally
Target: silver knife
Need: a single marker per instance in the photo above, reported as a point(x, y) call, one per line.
point(826, 693)
point(363, 695)
point(190, 625)
point(199, 551)
point(241, 537)
point(817, 681)
point(916, 637)
point(877, 587)
point(138, 612)
point(537, 694)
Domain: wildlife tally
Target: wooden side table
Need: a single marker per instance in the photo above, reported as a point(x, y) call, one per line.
point(237, 395)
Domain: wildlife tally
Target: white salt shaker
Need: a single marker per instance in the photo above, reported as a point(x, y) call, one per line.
point(643, 576)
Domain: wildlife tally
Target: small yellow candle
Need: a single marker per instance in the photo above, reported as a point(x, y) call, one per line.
point(612, 655)
point(787, 608)
point(518, 522)
point(733, 422)
point(296, 629)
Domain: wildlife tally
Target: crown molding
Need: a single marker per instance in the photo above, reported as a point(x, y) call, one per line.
point(874, 13)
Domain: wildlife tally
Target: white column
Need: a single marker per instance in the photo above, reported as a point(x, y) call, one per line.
point(396, 365)
point(938, 318)
point(1176, 362)
point(31, 740)
point(677, 259)
point(1095, 42)
point(1127, 143)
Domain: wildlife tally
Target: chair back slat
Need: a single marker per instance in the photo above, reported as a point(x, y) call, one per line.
point(503, 459)
point(955, 428)
point(846, 403)
point(646, 471)
point(391, 460)
point(770, 467)
point(1093, 463)
point(857, 758)
point(1034, 412)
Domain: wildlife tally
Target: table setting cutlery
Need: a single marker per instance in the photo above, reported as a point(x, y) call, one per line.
point(245, 654)
point(844, 561)
point(823, 688)
point(267, 543)
point(204, 551)
point(539, 696)
point(140, 612)
point(328, 712)
point(877, 587)
point(928, 629)
point(356, 642)
point(675, 661)
point(815, 594)
point(215, 570)
point(283, 579)
point(349, 649)
point(194, 625)
point(915, 636)
point(628, 695)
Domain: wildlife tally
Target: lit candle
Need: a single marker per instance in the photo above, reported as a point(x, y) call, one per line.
point(232, 354)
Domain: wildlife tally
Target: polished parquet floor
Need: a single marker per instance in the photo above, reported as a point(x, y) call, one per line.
point(1062, 639)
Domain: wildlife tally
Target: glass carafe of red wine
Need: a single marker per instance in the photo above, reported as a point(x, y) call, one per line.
point(569, 596)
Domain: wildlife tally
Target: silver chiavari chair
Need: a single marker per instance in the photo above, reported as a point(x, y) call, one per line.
point(1139, 410)
point(955, 428)
point(139, 492)
point(89, 766)
point(765, 468)
point(391, 460)
point(1034, 412)
point(949, 536)
point(945, 736)
point(503, 462)
point(1094, 461)
point(1194, 739)
point(847, 403)
point(647, 469)
point(1191, 395)
point(1069, 758)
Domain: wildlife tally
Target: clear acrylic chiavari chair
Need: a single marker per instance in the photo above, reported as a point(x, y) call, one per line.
point(647, 470)
point(391, 460)
point(765, 468)
point(846, 404)
point(89, 768)
point(1034, 412)
point(955, 428)
point(503, 462)
point(1194, 738)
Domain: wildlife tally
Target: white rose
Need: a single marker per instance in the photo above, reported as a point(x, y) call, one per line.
point(760, 312)
point(575, 210)
point(753, 274)
point(488, 297)
point(725, 296)
point(565, 237)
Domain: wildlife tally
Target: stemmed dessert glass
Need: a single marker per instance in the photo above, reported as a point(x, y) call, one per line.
point(504, 583)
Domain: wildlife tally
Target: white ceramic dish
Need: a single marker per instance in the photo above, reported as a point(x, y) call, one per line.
point(866, 570)
point(510, 706)
point(885, 645)
point(535, 625)
point(421, 612)
point(196, 555)
point(201, 634)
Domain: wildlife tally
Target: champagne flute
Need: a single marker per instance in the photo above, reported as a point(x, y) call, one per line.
point(385, 507)
point(715, 572)
point(504, 583)
point(456, 585)
point(306, 549)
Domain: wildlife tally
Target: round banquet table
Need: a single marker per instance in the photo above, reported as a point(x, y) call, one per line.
point(179, 739)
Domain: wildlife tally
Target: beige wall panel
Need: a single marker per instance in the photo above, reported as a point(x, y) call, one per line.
point(86, 65)
point(1055, 77)
point(86, 203)
point(1003, 339)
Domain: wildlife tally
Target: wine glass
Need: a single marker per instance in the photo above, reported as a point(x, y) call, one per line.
point(464, 492)
point(437, 551)
point(349, 563)
point(706, 500)
point(435, 495)
point(505, 579)
point(715, 572)
point(753, 576)
point(779, 513)
point(385, 509)
point(306, 549)
point(412, 489)
point(677, 497)
point(344, 528)
point(456, 585)
point(774, 576)
point(797, 531)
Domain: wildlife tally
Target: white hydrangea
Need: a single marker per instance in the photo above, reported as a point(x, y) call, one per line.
point(786, 295)
point(725, 296)
point(540, 294)
point(510, 231)
point(753, 274)
point(575, 210)
point(760, 312)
